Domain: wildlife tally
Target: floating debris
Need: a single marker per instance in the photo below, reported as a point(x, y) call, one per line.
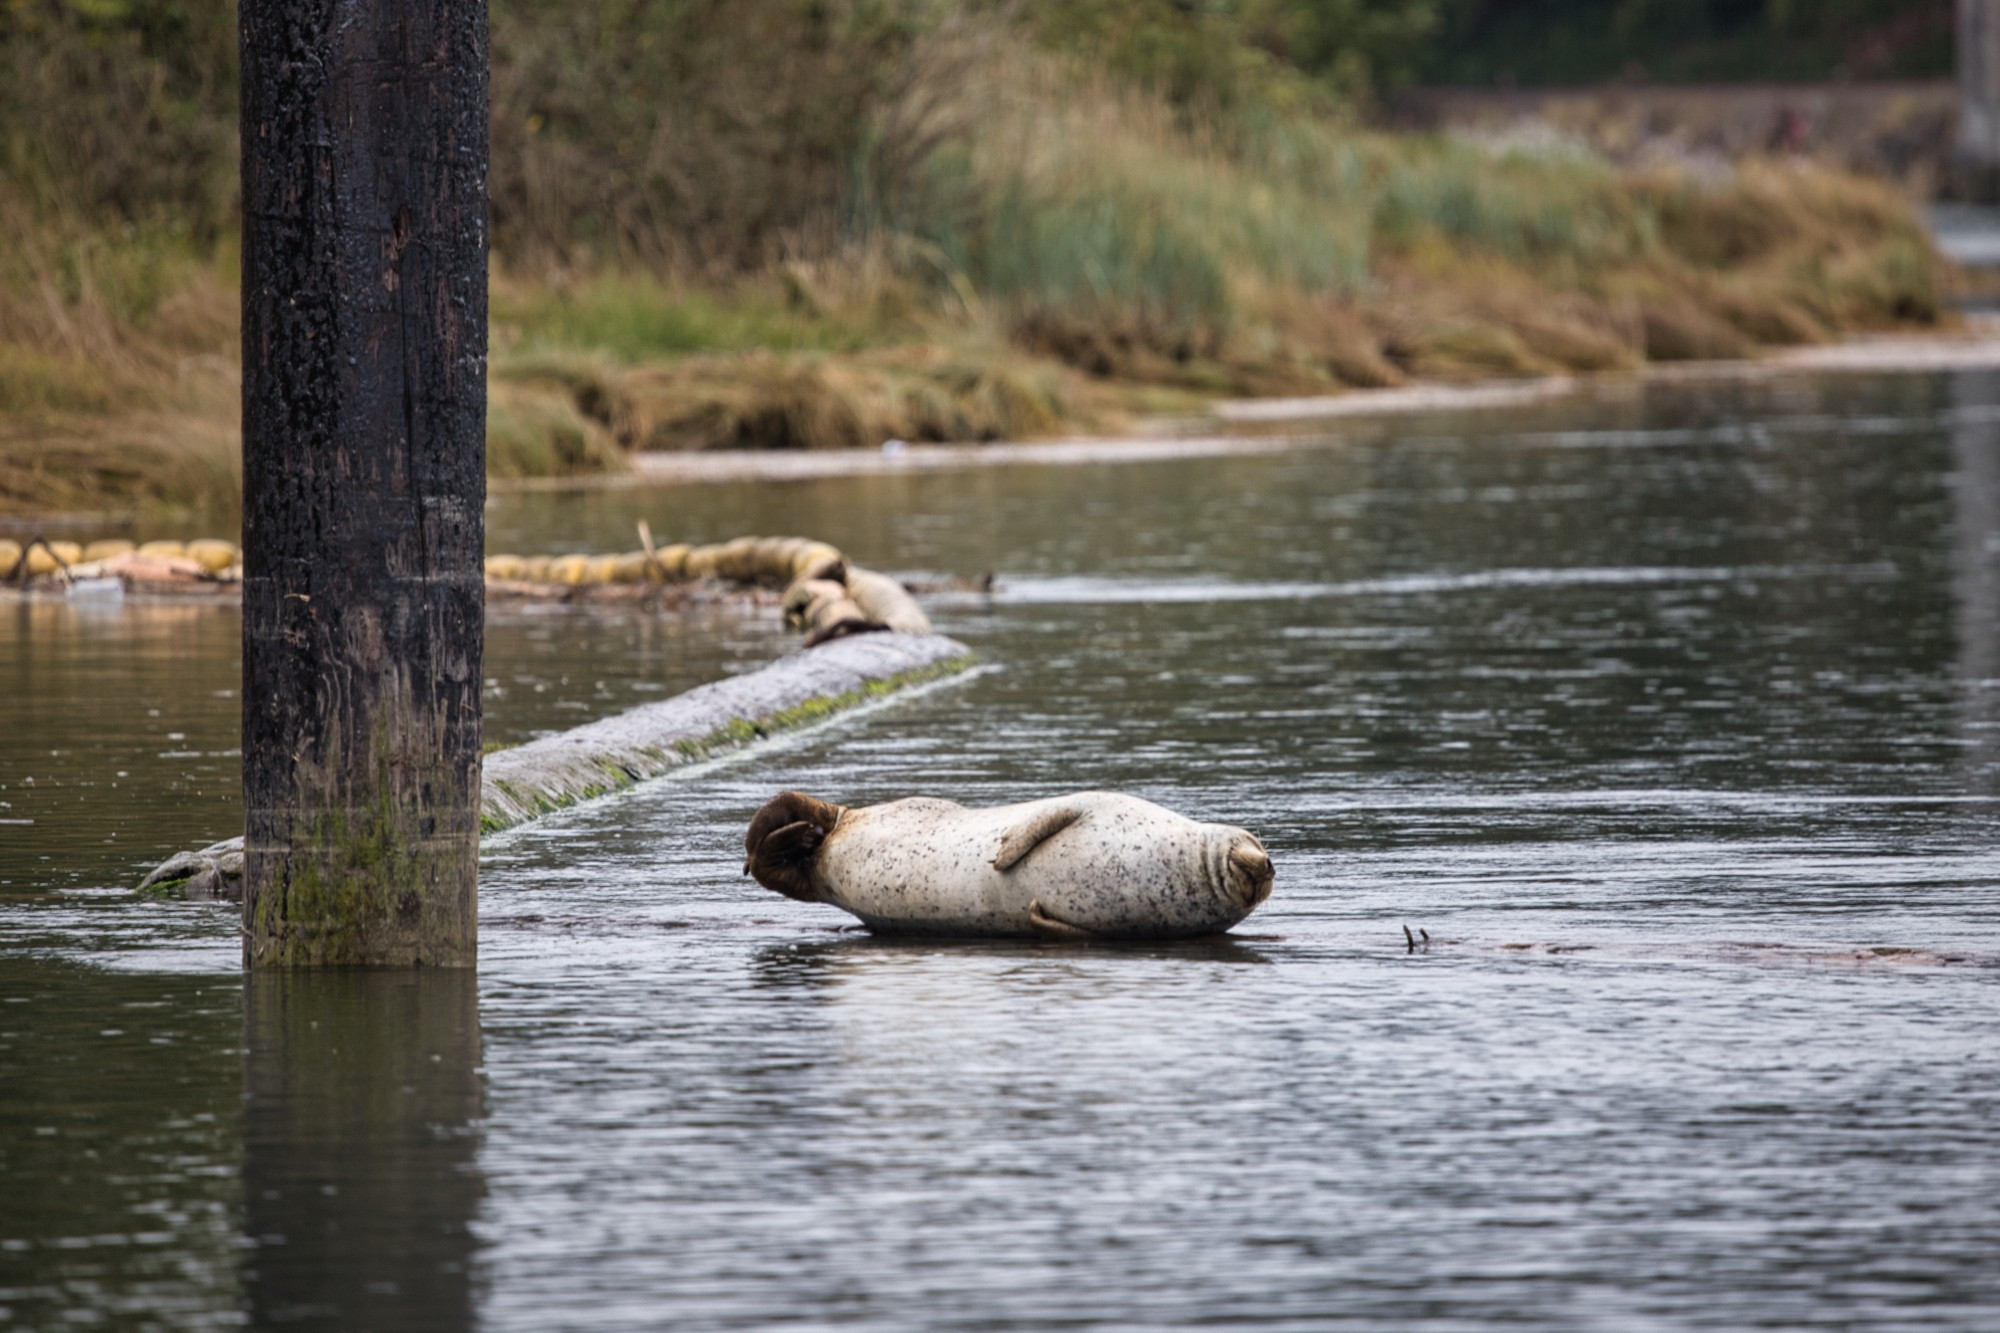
point(63, 568)
point(821, 593)
point(824, 595)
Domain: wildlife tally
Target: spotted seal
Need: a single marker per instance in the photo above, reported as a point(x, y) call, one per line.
point(1094, 865)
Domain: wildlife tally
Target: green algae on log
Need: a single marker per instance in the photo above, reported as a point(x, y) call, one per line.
point(604, 756)
point(792, 692)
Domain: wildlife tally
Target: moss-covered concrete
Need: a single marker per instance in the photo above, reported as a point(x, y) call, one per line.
point(356, 889)
point(525, 781)
point(794, 692)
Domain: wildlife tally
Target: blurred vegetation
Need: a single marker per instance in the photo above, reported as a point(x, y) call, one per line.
point(807, 223)
point(1544, 42)
point(1231, 53)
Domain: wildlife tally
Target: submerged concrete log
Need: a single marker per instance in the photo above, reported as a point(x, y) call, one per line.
point(209, 874)
point(792, 692)
point(604, 756)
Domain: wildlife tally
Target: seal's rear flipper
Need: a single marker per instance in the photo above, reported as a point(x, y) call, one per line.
point(1050, 928)
point(1031, 833)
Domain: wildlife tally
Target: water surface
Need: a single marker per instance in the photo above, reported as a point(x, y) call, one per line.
point(1671, 714)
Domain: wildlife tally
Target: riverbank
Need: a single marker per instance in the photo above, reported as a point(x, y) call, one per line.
point(1063, 253)
point(1277, 425)
point(1232, 426)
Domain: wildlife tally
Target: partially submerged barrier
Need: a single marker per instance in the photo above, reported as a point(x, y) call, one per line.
point(823, 594)
point(605, 756)
point(793, 692)
point(207, 566)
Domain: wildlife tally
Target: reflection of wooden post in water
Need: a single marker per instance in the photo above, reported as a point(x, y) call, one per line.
point(1975, 496)
point(363, 1097)
point(364, 406)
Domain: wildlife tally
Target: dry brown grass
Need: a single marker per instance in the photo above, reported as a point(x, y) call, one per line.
point(765, 400)
point(120, 379)
point(118, 374)
point(534, 431)
point(1716, 267)
point(145, 466)
point(91, 322)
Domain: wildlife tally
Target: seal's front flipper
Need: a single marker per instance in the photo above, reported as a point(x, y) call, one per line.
point(1031, 833)
point(1050, 928)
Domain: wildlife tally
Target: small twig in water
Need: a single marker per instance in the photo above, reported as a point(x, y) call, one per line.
point(652, 556)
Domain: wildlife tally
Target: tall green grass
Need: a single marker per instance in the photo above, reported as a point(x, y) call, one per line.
point(1076, 205)
point(640, 316)
point(1518, 207)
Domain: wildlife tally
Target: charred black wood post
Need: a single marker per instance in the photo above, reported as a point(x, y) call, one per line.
point(364, 407)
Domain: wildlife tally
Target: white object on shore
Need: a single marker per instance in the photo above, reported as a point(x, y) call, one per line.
point(97, 590)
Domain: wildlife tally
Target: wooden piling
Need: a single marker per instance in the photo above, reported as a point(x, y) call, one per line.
point(1977, 160)
point(364, 130)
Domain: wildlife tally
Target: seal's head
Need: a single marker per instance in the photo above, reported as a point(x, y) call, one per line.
point(1249, 871)
point(784, 838)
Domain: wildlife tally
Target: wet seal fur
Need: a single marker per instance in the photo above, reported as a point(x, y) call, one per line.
point(1094, 865)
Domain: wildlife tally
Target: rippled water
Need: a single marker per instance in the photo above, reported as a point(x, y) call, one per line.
point(1672, 715)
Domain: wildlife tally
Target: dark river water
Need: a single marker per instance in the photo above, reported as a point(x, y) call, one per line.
point(1671, 713)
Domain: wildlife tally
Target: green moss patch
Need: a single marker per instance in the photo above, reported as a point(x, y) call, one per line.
point(519, 802)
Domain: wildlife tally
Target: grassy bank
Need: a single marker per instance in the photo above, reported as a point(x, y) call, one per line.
point(1015, 246)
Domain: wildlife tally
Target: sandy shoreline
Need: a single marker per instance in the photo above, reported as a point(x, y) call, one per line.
point(1977, 348)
